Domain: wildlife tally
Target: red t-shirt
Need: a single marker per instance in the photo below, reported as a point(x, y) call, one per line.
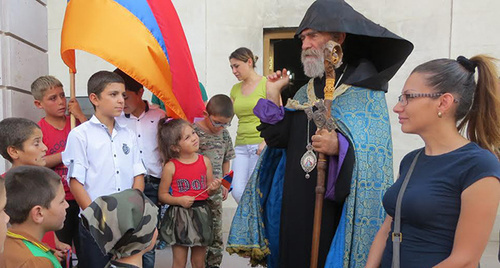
point(190, 179)
point(55, 140)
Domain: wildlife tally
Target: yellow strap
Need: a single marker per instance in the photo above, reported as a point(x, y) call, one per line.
point(18, 236)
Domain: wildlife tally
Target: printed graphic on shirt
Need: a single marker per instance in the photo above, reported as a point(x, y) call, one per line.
point(185, 185)
point(125, 148)
point(218, 148)
point(58, 147)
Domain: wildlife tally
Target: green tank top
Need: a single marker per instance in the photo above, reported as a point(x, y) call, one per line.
point(243, 108)
point(38, 252)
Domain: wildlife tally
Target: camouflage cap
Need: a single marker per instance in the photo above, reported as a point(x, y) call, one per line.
point(122, 224)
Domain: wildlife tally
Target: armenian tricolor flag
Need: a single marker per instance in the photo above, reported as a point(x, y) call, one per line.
point(227, 180)
point(145, 39)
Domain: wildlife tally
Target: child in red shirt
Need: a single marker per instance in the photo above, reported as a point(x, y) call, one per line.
point(49, 95)
point(188, 220)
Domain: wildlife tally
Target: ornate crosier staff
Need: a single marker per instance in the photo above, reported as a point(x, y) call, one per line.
point(333, 57)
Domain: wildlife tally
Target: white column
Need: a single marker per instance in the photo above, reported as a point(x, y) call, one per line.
point(23, 57)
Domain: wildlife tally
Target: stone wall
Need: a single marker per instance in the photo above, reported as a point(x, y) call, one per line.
point(23, 57)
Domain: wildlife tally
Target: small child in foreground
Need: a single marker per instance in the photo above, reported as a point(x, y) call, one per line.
point(188, 220)
point(124, 226)
point(36, 204)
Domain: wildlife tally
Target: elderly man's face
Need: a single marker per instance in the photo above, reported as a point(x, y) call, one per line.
point(313, 43)
point(314, 39)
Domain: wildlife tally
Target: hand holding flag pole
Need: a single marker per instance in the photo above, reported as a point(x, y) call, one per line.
point(72, 95)
point(226, 182)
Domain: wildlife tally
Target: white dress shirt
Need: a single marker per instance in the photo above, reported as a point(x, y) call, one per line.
point(145, 128)
point(104, 164)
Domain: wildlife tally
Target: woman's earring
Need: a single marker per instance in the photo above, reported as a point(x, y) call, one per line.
point(440, 114)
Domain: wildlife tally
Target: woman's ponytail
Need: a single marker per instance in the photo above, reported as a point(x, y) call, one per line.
point(482, 123)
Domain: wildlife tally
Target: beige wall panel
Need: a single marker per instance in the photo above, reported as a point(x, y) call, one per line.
point(18, 17)
point(25, 64)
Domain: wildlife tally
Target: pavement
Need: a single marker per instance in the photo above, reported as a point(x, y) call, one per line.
point(164, 257)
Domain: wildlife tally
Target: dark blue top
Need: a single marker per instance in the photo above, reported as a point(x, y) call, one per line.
point(431, 203)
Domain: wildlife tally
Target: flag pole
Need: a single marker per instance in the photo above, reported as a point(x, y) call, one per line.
point(72, 95)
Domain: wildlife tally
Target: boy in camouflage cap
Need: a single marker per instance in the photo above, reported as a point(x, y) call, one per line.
point(123, 225)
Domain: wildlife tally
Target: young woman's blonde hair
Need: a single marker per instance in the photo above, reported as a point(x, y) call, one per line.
point(244, 54)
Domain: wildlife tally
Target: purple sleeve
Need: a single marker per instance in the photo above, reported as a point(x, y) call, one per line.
point(268, 112)
point(335, 164)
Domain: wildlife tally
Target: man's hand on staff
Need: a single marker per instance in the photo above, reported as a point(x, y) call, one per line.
point(275, 83)
point(325, 142)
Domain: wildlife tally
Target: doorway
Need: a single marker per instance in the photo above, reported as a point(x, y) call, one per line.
point(282, 50)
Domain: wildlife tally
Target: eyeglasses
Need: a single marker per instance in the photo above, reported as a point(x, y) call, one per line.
point(404, 98)
point(217, 124)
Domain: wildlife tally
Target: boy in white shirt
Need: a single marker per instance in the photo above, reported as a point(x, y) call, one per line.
point(102, 156)
point(143, 118)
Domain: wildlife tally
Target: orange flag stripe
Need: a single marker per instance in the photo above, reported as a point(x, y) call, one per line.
point(108, 30)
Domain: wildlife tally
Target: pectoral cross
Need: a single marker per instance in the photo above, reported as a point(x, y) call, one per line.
point(321, 117)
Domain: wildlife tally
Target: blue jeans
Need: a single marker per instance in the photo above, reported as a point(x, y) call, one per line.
point(151, 191)
point(90, 254)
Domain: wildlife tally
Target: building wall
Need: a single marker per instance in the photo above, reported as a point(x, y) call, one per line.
point(214, 28)
point(23, 57)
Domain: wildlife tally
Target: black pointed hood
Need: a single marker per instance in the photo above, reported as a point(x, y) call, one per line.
point(365, 40)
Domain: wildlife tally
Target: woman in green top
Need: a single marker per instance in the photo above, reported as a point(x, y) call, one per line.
point(245, 95)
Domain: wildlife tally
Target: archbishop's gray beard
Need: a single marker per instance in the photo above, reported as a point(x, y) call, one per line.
point(313, 66)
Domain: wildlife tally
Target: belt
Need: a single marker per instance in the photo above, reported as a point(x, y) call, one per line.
point(151, 179)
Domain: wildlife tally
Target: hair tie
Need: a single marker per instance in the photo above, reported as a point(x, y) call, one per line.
point(467, 64)
point(168, 120)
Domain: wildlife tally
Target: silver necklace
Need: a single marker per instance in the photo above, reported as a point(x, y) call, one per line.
point(309, 160)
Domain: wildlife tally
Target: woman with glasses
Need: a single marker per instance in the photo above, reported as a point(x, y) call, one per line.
point(450, 198)
point(245, 94)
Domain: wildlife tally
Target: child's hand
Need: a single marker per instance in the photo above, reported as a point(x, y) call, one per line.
point(214, 186)
point(61, 250)
point(186, 201)
point(74, 109)
point(261, 147)
point(225, 193)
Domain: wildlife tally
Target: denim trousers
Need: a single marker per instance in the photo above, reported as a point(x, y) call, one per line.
point(90, 254)
point(151, 191)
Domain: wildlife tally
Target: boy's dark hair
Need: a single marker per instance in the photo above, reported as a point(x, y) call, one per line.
point(220, 105)
point(98, 82)
point(14, 132)
point(42, 84)
point(29, 186)
point(130, 83)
